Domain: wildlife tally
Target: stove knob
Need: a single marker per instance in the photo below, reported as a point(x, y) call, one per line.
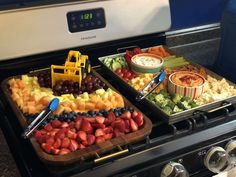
point(173, 169)
point(215, 160)
point(231, 152)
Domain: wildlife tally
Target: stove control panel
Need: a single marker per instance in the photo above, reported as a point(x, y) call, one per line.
point(85, 20)
point(173, 169)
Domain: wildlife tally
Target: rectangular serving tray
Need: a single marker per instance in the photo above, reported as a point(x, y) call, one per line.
point(90, 151)
point(155, 110)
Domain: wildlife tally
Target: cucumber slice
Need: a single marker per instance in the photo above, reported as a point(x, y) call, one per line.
point(115, 66)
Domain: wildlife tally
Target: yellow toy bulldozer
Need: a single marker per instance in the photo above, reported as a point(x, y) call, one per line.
point(72, 70)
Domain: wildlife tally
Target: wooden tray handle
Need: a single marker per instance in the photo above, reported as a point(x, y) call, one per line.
point(99, 159)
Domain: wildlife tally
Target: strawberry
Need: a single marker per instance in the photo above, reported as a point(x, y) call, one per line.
point(108, 130)
point(82, 136)
point(90, 139)
point(120, 125)
point(90, 119)
point(50, 141)
point(48, 127)
point(55, 151)
point(78, 122)
point(133, 125)
point(86, 126)
point(126, 115)
point(100, 119)
point(99, 132)
point(56, 123)
point(117, 132)
point(110, 118)
point(100, 139)
point(64, 151)
point(138, 120)
point(64, 125)
point(53, 132)
point(134, 114)
point(72, 135)
point(127, 126)
point(46, 147)
point(97, 125)
point(40, 136)
point(108, 136)
point(85, 143)
point(73, 145)
point(72, 125)
point(65, 142)
point(57, 143)
point(81, 146)
point(60, 134)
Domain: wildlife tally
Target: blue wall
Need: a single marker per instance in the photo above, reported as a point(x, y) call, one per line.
point(189, 13)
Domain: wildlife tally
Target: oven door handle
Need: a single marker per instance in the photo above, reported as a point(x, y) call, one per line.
point(100, 159)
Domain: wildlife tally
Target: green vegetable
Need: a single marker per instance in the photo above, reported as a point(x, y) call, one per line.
point(115, 63)
point(174, 62)
point(176, 98)
point(167, 110)
point(184, 105)
point(177, 109)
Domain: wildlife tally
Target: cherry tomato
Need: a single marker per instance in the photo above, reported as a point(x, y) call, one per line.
point(118, 71)
point(128, 74)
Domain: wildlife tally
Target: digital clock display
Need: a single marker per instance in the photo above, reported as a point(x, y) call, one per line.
point(84, 20)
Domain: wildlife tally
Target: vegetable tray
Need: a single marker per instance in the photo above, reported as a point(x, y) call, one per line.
point(157, 112)
point(91, 151)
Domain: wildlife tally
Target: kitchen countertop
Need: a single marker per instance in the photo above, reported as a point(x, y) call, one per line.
point(199, 47)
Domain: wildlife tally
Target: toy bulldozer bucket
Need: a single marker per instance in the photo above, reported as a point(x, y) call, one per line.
point(72, 70)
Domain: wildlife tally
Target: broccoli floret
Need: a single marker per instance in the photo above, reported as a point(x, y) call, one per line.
point(151, 97)
point(171, 104)
point(167, 110)
point(183, 105)
point(177, 109)
point(185, 98)
point(165, 94)
point(176, 98)
point(159, 98)
point(193, 104)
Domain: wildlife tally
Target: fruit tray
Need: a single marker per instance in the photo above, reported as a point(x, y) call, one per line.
point(155, 110)
point(92, 151)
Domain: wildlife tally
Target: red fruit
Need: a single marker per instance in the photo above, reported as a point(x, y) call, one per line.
point(139, 120)
point(133, 125)
point(86, 126)
point(108, 130)
point(81, 146)
point(46, 147)
point(85, 143)
point(90, 119)
point(91, 139)
point(128, 75)
point(97, 125)
point(118, 71)
point(72, 125)
point(60, 134)
point(117, 132)
point(40, 136)
point(55, 151)
point(82, 135)
point(108, 136)
point(111, 117)
point(120, 125)
point(73, 130)
point(64, 151)
point(50, 141)
point(48, 127)
point(100, 119)
point(56, 123)
point(100, 139)
point(126, 115)
point(127, 126)
point(73, 145)
point(99, 132)
point(57, 143)
point(53, 132)
point(71, 134)
point(134, 114)
point(78, 122)
point(64, 125)
point(65, 142)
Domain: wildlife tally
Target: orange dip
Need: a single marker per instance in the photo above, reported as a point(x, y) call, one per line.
point(187, 79)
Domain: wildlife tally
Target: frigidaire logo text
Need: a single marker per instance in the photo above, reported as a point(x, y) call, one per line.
point(88, 37)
